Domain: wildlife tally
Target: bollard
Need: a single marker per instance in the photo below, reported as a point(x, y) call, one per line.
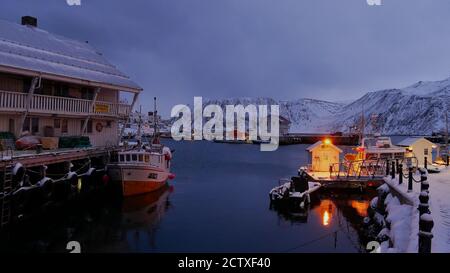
point(387, 167)
point(425, 226)
point(400, 174)
point(424, 185)
point(396, 164)
point(424, 207)
point(447, 160)
point(425, 163)
point(393, 170)
point(410, 179)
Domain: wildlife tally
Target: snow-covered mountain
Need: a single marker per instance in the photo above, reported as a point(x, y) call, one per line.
point(416, 109)
point(306, 115)
point(309, 115)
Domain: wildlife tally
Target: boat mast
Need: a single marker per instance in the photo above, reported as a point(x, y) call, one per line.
point(138, 135)
point(155, 127)
point(361, 131)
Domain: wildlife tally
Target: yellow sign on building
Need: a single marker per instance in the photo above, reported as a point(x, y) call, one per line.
point(101, 108)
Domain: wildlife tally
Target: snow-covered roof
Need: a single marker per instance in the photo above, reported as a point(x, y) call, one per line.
point(319, 143)
point(411, 140)
point(32, 49)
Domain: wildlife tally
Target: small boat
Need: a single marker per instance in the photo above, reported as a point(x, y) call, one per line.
point(295, 191)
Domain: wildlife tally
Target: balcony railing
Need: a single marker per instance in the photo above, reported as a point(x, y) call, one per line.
point(17, 102)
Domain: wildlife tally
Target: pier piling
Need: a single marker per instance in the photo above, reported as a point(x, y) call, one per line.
point(393, 170)
point(400, 174)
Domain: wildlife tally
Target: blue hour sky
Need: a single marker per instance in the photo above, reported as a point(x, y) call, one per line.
point(334, 50)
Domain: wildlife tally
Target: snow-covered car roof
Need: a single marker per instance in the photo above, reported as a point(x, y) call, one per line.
point(32, 49)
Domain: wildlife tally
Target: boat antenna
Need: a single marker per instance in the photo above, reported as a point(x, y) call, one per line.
point(138, 135)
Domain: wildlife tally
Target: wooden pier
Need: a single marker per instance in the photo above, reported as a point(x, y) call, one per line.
point(33, 159)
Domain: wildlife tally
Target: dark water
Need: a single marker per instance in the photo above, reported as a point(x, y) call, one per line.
point(217, 203)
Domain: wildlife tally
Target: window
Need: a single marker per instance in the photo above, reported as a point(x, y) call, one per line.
point(31, 125)
point(26, 125)
point(57, 123)
point(134, 157)
point(87, 94)
point(122, 158)
point(147, 158)
point(61, 90)
point(128, 157)
point(425, 151)
point(108, 124)
point(88, 127)
point(141, 157)
point(12, 125)
point(64, 126)
point(34, 125)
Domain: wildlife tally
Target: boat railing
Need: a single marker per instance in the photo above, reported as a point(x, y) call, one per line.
point(370, 168)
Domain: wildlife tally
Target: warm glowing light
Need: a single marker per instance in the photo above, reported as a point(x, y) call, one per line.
point(434, 146)
point(326, 218)
point(327, 141)
point(360, 207)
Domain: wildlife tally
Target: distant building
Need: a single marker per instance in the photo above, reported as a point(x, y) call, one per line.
point(55, 86)
point(420, 148)
point(285, 125)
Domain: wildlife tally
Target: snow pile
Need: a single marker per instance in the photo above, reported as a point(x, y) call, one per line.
point(399, 221)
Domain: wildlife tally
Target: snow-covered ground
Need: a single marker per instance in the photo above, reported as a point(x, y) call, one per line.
point(405, 236)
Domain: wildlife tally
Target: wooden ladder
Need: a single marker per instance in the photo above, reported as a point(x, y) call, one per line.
point(7, 191)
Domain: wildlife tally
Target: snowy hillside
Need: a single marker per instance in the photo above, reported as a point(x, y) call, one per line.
point(417, 109)
point(306, 115)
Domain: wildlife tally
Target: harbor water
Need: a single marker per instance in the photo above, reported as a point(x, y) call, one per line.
point(218, 202)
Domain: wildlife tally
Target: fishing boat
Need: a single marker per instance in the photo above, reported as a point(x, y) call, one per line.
point(377, 148)
point(295, 191)
point(141, 168)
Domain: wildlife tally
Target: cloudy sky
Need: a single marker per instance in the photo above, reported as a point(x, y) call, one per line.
point(284, 49)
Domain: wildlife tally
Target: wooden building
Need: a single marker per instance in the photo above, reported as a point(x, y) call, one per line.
point(55, 86)
point(420, 148)
point(324, 154)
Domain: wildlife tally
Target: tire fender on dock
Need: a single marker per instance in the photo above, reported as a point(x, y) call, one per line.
point(46, 187)
point(18, 172)
point(72, 177)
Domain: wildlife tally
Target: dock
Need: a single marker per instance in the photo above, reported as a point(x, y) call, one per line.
point(344, 181)
point(33, 159)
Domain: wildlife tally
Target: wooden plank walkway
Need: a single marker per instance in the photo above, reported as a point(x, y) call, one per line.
point(32, 159)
